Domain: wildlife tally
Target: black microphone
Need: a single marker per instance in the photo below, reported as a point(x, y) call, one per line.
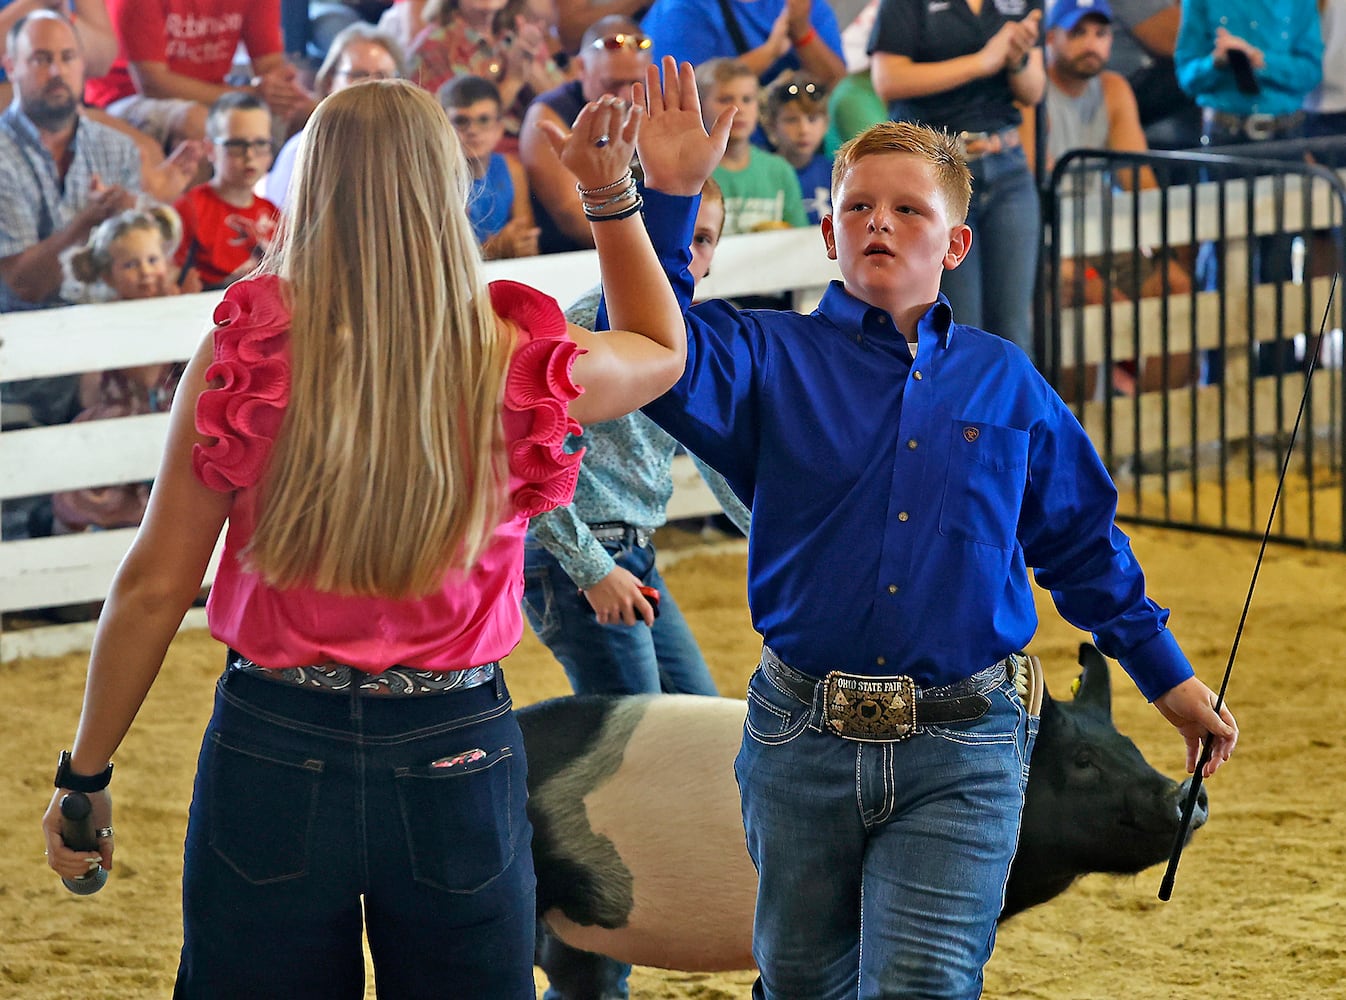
point(78, 833)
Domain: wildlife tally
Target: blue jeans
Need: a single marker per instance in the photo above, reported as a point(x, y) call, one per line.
point(613, 659)
point(993, 288)
point(309, 803)
point(881, 866)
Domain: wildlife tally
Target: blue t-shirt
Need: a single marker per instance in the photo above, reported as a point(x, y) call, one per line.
point(492, 198)
point(815, 184)
point(695, 30)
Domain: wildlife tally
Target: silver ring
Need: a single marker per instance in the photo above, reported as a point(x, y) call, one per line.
point(103, 832)
point(602, 140)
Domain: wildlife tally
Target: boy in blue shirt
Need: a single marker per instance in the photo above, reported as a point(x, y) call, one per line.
point(903, 472)
point(794, 118)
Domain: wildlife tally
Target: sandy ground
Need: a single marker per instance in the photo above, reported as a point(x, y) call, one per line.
point(1260, 897)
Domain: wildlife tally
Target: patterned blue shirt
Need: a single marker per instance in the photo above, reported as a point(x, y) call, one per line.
point(626, 476)
point(897, 501)
point(1287, 31)
point(35, 201)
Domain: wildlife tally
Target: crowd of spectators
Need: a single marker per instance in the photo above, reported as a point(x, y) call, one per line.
point(124, 104)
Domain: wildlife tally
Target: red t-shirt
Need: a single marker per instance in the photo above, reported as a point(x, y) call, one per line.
point(196, 38)
point(220, 240)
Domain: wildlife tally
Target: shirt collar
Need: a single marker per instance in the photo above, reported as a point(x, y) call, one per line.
point(850, 313)
point(24, 129)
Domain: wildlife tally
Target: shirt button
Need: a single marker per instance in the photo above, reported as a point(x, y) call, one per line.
point(912, 444)
point(916, 375)
point(892, 588)
point(880, 661)
point(902, 515)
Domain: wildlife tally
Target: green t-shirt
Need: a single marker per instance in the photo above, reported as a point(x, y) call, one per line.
point(851, 109)
point(766, 190)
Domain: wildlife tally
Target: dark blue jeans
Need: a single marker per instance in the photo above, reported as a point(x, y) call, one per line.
point(316, 815)
point(613, 659)
point(881, 866)
point(993, 288)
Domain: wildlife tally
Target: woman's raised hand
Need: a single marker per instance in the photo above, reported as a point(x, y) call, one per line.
point(598, 147)
point(676, 153)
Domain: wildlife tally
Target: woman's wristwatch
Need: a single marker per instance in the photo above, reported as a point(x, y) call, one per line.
point(66, 778)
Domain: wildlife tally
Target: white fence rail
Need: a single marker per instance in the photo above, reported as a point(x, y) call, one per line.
point(67, 569)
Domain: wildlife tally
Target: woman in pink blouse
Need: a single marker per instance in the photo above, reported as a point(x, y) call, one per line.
point(376, 426)
point(496, 39)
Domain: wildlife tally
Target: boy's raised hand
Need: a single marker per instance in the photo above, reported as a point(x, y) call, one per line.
point(676, 153)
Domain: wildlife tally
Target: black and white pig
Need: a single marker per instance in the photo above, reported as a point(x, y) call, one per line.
point(638, 841)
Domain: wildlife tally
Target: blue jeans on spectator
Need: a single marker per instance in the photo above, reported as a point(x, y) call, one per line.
point(309, 802)
point(993, 287)
point(881, 866)
point(613, 659)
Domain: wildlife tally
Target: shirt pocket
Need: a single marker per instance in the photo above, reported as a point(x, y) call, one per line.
point(984, 485)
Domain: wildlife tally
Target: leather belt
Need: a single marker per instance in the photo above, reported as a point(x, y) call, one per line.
point(975, 145)
point(620, 531)
point(885, 709)
point(340, 678)
point(1256, 127)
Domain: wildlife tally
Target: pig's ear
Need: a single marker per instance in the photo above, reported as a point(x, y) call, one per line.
point(1095, 691)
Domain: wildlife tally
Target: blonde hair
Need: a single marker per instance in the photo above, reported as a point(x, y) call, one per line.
point(937, 147)
point(89, 264)
point(714, 73)
point(390, 467)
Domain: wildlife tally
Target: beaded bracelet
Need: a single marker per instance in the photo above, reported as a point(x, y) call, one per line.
point(625, 213)
point(594, 212)
point(627, 192)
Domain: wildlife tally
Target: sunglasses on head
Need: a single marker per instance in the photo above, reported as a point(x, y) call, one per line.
point(797, 89)
point(622, 40)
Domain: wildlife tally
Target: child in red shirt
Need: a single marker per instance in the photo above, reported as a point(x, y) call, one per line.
point(225, 227)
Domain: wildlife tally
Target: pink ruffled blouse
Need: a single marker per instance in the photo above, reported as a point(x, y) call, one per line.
point(475, 616)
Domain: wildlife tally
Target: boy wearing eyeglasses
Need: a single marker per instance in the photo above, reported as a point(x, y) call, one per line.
point(225, 226)
point(794, 118)
point(498, 206)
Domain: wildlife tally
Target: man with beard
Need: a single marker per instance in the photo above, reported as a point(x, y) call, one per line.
point(60, 176)
point(1087, 106)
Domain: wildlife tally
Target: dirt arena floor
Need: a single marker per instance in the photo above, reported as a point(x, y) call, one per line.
point(1260, 898)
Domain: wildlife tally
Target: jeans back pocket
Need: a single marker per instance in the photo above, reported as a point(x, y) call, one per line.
point(262, 808)
point(459, 819)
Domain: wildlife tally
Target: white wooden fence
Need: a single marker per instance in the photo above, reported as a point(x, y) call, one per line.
point(67, 569)
point(73, 568)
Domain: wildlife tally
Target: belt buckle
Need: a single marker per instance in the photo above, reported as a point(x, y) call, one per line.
point(1258, 127)
point(867, 709)
point(965, 138)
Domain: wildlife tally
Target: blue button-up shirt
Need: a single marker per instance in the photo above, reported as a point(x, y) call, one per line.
point(897, 501)
point(1287, 31)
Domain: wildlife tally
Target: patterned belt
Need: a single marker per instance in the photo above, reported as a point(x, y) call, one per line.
point(885, 709)
point(339, 678)
point(620, 531)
